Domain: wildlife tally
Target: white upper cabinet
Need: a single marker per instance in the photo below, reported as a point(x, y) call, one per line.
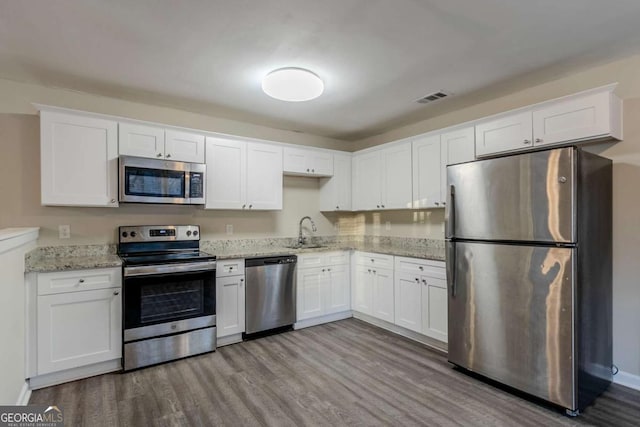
point(184, 146)
point(458, 146)
point(306, 162)
point(243, 175)
point(592, 116)
point(505, 134)
point(264, 176)
point(427, 172)
point(226, 174)
point(382, 179)
point(140, 140)
point(396, 177)
point(335, 192)
point(79, 160)
point(155, 142)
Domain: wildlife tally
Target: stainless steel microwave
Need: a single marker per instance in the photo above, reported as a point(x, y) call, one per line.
point(161, 181)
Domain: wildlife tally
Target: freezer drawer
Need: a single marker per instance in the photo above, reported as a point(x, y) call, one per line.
point(527, 197)
point(511, 316)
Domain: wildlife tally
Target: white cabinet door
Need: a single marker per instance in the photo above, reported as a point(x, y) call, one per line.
point(264, 176)
point(335, 192)
point(434, 307)
point(338, 295)
point(321, 162)
point(458, 146)
point(367, 172)
point(295, 161)
point(226, 174)
point(571, 120)
point(78, 328)
point(508, 133)
point(79, 160)
point(140, 140)
point(396, 190)
point(363, 290)
point(310, 289)
point(383, 295)
point(426, 172)
point(184, 146)
point(408, 301)
point(230, 298)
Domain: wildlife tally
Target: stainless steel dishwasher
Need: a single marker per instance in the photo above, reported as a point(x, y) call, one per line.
point(270, 293)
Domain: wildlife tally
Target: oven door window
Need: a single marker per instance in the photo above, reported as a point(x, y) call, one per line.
point(166, 298)
point(154, 182)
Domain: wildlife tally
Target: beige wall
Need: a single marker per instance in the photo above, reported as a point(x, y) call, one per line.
point(20, 198)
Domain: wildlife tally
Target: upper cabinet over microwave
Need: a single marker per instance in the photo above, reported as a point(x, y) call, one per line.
point(155, 142)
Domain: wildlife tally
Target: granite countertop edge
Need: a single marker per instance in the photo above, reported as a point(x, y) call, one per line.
point(54, 264)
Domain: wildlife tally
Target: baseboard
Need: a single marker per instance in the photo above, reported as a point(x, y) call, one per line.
point(323, 319)
point(229, 339)
point(428, 341)
point(25, 395)
point(56, 378)
point(628, 380)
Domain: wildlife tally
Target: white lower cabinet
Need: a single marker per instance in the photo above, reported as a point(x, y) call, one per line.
point(323, 286)
point(230, 298)
point(421, 297)
point(373, 288)
point(362, 290)
point(74, 324)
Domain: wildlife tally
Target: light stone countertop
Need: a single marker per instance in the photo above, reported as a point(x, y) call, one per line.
point(63, 258)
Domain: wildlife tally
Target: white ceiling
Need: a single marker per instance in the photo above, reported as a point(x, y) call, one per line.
point(376, 56)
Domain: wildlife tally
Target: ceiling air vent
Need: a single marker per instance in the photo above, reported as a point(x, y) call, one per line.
point(436, 96)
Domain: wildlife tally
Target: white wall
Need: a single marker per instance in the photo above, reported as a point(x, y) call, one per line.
point(12, 316)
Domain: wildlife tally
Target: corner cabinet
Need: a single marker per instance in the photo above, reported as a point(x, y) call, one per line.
point(382, 178)
point(335, 192)
point(75, 324)
point(243, 175)
point(79, 160)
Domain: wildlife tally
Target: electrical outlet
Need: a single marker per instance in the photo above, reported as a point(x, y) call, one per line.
point(387, 225)
point(229, 229)
point(64, 231)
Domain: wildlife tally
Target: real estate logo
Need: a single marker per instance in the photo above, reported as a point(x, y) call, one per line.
point(31, 416)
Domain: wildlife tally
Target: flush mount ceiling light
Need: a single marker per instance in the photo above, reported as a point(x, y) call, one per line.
point(292, 84)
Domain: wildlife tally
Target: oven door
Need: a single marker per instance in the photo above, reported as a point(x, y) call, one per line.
point(167, 303)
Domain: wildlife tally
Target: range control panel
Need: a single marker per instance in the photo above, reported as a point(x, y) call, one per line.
point(158, 233)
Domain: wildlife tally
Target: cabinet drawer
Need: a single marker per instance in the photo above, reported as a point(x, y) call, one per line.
point(375, 260)
point(311, 260)
point(79, 280)
point(420, 267)
point(336, 258)
point(229, 267)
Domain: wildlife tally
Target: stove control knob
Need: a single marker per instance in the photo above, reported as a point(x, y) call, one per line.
point(125, 234)
point(195, 233)
point(134, 234)
point(188, 233)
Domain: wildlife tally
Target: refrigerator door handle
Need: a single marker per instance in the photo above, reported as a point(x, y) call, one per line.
point(450, 213)
point(451, 267)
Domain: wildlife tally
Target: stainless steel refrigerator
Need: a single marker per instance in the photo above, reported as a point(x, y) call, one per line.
point(529, 272)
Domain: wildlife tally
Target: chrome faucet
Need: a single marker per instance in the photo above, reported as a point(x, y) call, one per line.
point(302, 239)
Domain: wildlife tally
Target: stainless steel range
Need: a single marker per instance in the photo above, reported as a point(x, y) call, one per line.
point(169, 301)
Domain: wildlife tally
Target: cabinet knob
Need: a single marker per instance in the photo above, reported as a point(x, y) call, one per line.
point(323, 270)
point(424, 282)
point(538, 139)
point(378, 206)
point(168, 156)
point(527, 141)
point(417, 280)
point(374, 272)
point(243, 206)
point(116, 292)
point(421, 268)
point(159, 155)
point(313, 170)
point(250, 206)
point(337, 207)
point(328, 269)
point(444, 203)
point(437, 203)
point(81, 280)
point(113, 200)
point(382, 206)
point(369, 270)
point(307, 170)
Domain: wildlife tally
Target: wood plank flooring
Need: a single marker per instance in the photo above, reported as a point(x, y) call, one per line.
point(342, 373)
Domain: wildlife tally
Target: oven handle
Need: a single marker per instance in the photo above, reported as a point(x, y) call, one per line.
point(147, 270)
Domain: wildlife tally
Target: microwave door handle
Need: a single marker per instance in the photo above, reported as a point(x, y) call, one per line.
point(187, 186)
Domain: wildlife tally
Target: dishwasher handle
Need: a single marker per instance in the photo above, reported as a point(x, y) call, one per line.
point(277, 260)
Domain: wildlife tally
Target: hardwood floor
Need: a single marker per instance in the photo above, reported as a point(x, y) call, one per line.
point(342, 373)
